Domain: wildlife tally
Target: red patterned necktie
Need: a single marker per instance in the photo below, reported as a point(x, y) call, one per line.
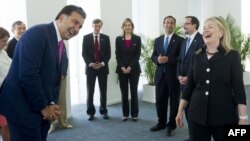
point(60, 49)
point(97, 51)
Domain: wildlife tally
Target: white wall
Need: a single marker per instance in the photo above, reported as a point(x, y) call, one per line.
point(43, 11)
point(11, 11)
point(223, 7)
point(176, 8)
point(146, 17)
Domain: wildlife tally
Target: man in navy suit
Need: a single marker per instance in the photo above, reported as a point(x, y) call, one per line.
point(96, 53)
point(192, 43)
point(165, 56)
point(31, 87)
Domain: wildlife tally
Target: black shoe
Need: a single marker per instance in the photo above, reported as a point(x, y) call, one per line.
point(134, 119)
point(186, 140)
point(105, 116)
point(157, 127)
point(91, 117)
point(169, 132)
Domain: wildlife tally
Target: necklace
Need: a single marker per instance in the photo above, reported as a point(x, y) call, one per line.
point(211, 53)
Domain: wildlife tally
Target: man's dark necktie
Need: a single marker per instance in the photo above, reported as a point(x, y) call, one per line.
point(97, 51)
point(60, 49)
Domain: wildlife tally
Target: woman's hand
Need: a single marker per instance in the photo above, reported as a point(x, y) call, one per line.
point(179, 119)
point(243, 122)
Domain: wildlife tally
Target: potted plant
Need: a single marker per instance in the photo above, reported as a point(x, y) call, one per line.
point(148, 69)
point(148, 65)
point(241, 43)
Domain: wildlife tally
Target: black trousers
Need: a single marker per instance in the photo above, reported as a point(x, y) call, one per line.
point(130, 80)
point(198, 132)
point(22, 133)
point(102, 80)
point(167, 90)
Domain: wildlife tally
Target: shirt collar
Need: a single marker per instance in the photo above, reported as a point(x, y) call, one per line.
point(96, 34)
point(193, 35)
point(59, 38)
point(169, 36)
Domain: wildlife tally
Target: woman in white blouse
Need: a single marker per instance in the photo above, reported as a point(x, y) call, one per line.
point(5, 62)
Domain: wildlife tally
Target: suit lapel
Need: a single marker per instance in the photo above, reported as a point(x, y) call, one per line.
point(101, 44)
point(54, 43)
point(192, 46)
point(171, 43)
point(161, 42)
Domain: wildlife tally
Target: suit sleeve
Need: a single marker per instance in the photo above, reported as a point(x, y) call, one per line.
point(108, 51)
point(188, 90)
point(178, 73)
point(155, 54)
point(31, 49)
point(85, 52)
point(118, 53)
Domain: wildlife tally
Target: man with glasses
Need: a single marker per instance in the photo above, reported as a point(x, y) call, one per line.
point(192, 42)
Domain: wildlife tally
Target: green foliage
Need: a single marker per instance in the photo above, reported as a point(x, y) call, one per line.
point(148, 65)
point(239, 41)
point(179, 31)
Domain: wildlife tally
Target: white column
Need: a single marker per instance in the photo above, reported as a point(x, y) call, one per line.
point(146, 17)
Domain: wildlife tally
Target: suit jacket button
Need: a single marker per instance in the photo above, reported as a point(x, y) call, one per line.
point(208, 69)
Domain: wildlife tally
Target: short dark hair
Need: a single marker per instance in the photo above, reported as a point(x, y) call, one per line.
point(15, 24)
point(4, 33)
point(195, 21)
point(68, 9)
point(169, 17)
point(96, 21)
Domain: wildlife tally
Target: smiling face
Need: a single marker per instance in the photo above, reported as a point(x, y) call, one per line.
point(211, 32)
point(18, 30)
point(70, 25)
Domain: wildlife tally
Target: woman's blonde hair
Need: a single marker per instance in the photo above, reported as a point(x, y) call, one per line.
point(226, 37)
point(123, 24)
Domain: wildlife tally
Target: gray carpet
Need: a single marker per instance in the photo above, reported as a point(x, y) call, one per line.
point(116, 130)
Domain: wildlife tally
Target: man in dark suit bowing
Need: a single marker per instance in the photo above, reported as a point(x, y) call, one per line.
point(193, 42)
point(165, 56)
point(96, 52)
point(31, 88)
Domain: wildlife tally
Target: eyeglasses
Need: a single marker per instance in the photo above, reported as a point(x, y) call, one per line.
point(187, 23)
